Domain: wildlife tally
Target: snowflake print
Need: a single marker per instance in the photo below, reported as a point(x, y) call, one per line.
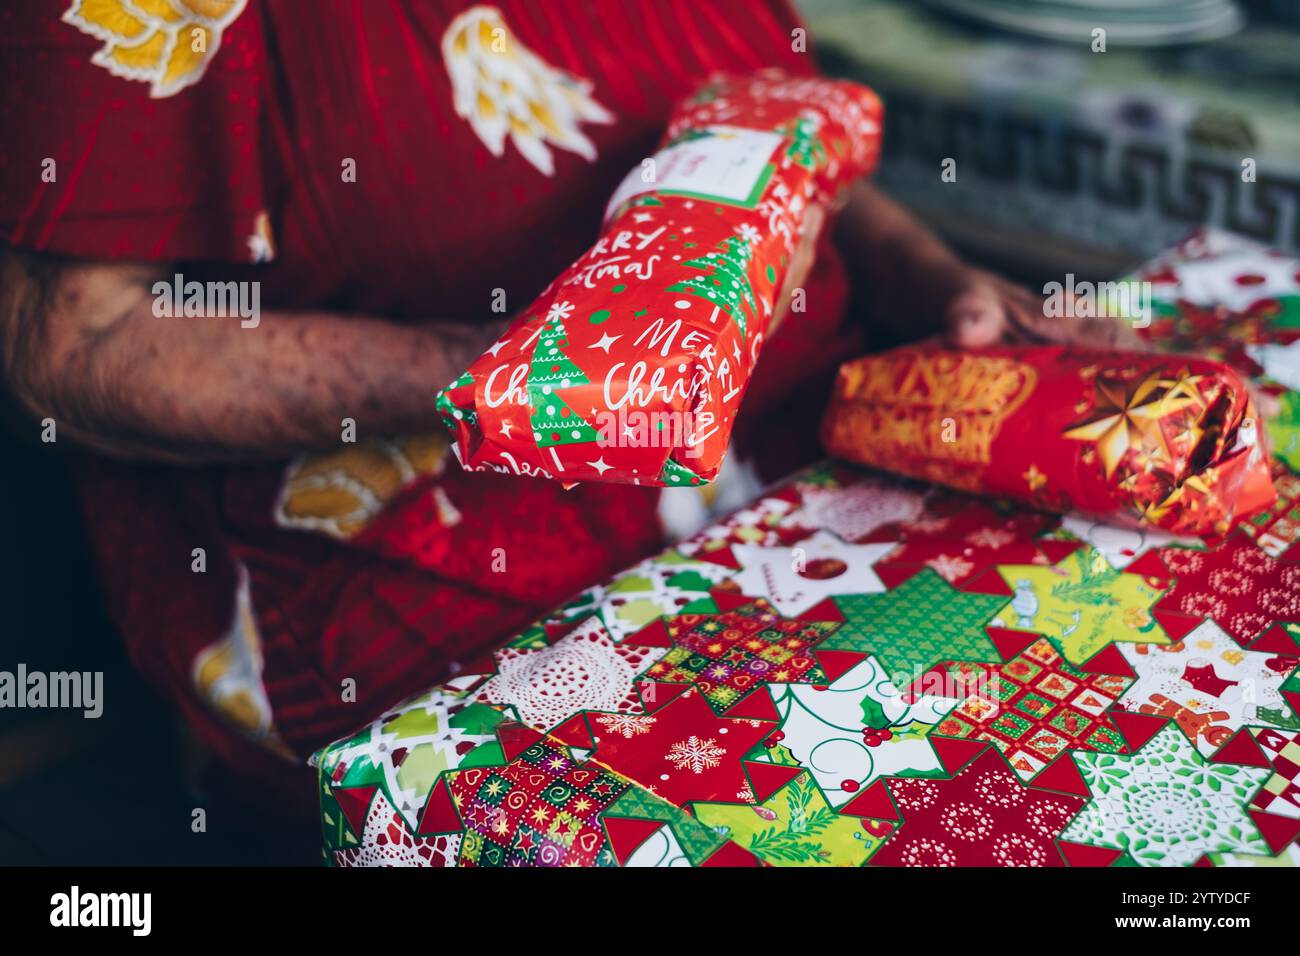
point(1015, 849)
point(748, 233)
point(950, 567)
point(1048, 819)
point(1283, 604)
point(999, 790)
point(965, 821)
point(1182, 561)
point(559, 311)
point(1231, 582)
point(913, 794)
point(695, 755)
point(1253, 562)
point(626, 725)
point(928, 524)
point(1247, 622)
point(990, 537)
point(1203, 605)
point(926, 852)
point(855, 512)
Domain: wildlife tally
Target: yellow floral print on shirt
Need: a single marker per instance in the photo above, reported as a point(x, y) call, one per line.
point(228, 675)
point(165, 43)
point(337, 493)
point(504, 89)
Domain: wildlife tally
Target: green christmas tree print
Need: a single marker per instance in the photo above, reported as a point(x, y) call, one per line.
point(806, 147)
point(674, 475)
point(450, 412)
point(725, 282)
point(553, 421)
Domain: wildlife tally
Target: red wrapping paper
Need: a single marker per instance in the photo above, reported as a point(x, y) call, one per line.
point(1166, 440)
point(631, 365)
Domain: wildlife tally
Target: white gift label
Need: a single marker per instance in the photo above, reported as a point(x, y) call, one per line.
point(728, 164)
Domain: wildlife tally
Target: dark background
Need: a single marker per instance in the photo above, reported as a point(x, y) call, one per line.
point(118, 789)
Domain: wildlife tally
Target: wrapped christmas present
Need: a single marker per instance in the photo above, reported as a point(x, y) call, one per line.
point(1167, 440)
point(631, 365)
point(1233, 299)
point(852, 670)
point(853, 667)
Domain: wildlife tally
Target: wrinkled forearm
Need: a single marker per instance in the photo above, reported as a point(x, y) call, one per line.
point(84, 348)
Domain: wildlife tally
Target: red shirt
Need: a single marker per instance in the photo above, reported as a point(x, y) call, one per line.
point(239, 155)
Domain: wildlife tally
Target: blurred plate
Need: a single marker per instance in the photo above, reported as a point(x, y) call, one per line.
point(1127, 23)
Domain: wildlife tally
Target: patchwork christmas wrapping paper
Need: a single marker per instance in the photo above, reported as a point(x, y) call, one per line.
point(908, 712)
point(863, 670)
point(1231, 299)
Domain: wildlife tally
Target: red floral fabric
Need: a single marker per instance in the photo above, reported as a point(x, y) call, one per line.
point(237, 165)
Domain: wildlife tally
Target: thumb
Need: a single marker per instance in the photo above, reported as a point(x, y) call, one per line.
point(975, 318)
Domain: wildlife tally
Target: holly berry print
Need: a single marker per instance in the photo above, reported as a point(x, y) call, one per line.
point(856, 669)
point(897, 719)
point(631, 366)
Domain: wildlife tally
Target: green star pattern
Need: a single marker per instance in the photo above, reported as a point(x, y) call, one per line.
point(919, 623)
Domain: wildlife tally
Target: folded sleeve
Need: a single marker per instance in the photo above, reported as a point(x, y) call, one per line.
point(135, 129)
